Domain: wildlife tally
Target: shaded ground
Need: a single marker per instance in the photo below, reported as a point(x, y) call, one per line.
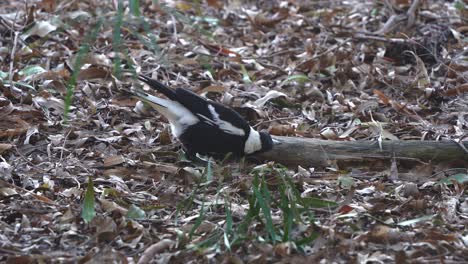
point(351, 70)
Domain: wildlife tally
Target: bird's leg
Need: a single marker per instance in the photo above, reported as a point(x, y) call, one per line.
point(190, 155)
point(195, 159)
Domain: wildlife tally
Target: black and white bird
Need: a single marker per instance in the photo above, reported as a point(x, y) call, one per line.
point(203, 126)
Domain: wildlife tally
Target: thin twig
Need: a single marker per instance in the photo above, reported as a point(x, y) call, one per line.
point(316, 56)
point(28, 161)
point(391, 23)
point(412, 13)
point(274, 120)
point(12, 59)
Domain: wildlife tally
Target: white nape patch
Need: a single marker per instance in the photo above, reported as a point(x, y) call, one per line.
point(253, 143)
point(178, 115)
point(225, 125)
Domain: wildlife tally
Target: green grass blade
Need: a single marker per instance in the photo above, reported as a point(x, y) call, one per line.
point(252, 213)
point(228, 228)
point(199, 219)
point(312, 202)
point(300, 78)
point(258, 190)
point(117, 40)
point(135, 7)
point(88, 212)
point(82, 52)
point(285, 206)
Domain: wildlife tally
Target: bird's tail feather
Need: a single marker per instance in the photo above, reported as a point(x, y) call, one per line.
point(152, 100)
point(163, 106)
point(159, 86)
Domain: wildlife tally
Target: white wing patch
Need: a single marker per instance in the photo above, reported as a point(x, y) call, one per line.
point(184, 118)
point(253, 142)
point(178, 115)
point(224, 125)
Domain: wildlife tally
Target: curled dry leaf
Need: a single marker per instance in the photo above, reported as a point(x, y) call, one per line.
point(457, 68)
point(93, 73)
point(31, 72)
point(125, 101)
point(281, 130)
point(7, 192)
point(6, 107)
point(328, 133)
point(99, 60)
point(31, 131)
point(384, 234)
point(110, 206)
point(213, 88)
point(461, 89)
point(48, 102)
point(263, 21)
point(410, 189)
point(422, 77)
point(269, 96)
point(158, 248)
point(165, 137)
point(40, 28)
point(309, 113)
point(378, 130)
point(215, 3)
point(48, 5)
point(113, 160)
point(219, 50)
point(5, 147)
point(382, 96)
point(160, 167)
point(284, 249)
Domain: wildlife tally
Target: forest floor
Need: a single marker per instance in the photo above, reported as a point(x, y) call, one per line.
point(90, 175)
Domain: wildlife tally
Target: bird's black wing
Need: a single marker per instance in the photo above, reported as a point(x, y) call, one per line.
point(234, 118)
point(212, 113)
point(193, 102)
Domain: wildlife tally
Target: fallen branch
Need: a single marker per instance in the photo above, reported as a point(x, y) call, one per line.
point(308, 152)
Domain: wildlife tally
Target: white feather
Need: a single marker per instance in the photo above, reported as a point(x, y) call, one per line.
point(224, 125)
point(179, 117)
point(253, 142)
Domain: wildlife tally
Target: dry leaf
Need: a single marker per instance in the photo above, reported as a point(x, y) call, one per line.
point(93, 73)
point(213, 88)
point(5, 147)
point(40, 28)
point(113, 160)
point(461, 89)
point(11, 126)
point(215, 3)
point(269, 96)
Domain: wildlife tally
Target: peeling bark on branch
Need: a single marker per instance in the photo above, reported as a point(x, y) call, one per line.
point(295, 151)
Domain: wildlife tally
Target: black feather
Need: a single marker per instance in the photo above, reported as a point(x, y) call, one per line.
point(217, 129)
point(159, 86)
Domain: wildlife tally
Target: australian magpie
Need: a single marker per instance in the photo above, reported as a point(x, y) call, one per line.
point(204, 127)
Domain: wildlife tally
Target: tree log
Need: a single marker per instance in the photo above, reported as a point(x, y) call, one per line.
point(308, 152)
